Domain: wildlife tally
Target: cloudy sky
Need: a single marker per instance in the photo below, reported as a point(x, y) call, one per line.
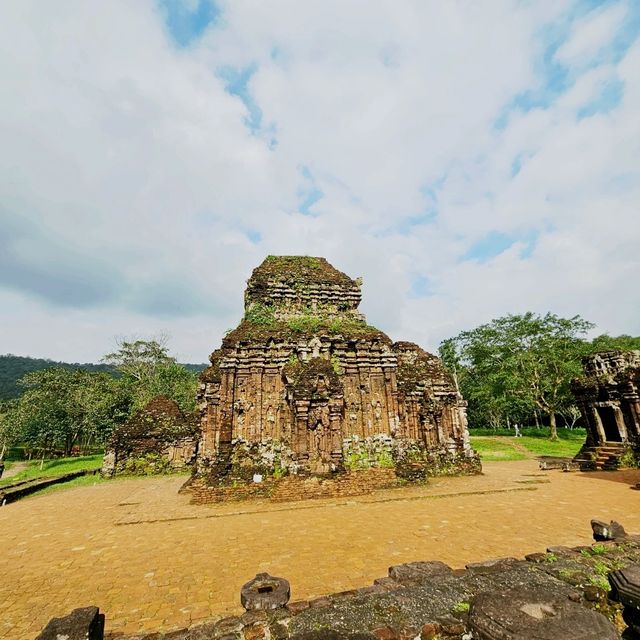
point(467, 158)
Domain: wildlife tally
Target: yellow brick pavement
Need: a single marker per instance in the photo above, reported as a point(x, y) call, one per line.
point(152, 561)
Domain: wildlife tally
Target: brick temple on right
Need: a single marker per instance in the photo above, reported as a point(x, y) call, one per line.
point(608, 397)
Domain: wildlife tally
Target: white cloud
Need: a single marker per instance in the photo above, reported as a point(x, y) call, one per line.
point(131, 161)
point(591, 34)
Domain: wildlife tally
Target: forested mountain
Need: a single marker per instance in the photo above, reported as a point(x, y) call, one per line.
point(12, 368)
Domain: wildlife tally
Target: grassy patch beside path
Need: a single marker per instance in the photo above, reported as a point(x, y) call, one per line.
point(55, 467)
point(496, 448)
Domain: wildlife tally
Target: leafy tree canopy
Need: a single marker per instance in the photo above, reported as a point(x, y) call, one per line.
point(517, 364)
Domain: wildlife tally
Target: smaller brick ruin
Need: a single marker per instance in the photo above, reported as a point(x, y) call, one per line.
point(608, 397)
point(159, 438)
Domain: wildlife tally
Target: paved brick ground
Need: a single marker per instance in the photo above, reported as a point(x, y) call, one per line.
point(150, 560)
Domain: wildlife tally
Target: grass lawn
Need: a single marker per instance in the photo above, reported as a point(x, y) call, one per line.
point(559, 448)
point(54, 467)
point(82, 481)
point(496, 449)
point(506, 447)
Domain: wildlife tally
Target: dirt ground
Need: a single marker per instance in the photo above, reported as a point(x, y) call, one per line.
point(149, 560)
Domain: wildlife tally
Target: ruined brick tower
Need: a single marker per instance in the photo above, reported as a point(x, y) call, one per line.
point(304, 385)
point(608, 397)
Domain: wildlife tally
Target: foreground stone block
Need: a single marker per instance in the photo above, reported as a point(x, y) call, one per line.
point(265, 592)
point(603, 531)
point(492, 565)
point(535, 614)
point(625, 589)
point(81, 624)
point(418, 571)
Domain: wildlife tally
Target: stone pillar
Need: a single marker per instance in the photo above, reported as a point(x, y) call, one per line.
point(301, 445)
point(622, 427)
point(335, 419)
point(108, 463)
point(601, 436)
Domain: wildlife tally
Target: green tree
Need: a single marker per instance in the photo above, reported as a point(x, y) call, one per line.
point(519, 363)
point(139, 359)
point(615, 343)
point(148, 370)
point(9, 432)
point(62, 408)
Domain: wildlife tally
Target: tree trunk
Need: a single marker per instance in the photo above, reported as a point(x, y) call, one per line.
point(552, 423)
point(535, 415)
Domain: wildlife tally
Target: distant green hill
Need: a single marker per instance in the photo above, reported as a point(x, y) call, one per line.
point(195, 368)
point(12, 368)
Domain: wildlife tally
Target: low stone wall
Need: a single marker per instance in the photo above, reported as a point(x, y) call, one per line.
point(23, 488)
point(293, 488)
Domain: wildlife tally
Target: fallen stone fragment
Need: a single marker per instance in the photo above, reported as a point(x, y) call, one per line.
point(86, 623)
point(265, 592)
point(603, 531)
point(535, 614)
point(328, 634)
point(492, 565)
point(417, 572)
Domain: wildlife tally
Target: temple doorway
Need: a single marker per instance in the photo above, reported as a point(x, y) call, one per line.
point(609, 424)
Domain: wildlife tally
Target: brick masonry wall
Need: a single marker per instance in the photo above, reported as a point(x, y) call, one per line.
point(293, 488)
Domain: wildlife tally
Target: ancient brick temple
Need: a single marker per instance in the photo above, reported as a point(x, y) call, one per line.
point(305, 386)
point(609, 400)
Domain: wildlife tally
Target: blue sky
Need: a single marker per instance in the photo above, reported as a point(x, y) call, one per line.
point(466, 160)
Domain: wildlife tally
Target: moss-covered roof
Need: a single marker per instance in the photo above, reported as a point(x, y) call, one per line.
point(302, 327)
point(298, 269)
point(417, 366)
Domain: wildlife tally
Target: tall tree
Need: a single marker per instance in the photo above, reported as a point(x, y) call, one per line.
point(148, 370)
point(139, 359)
point(520, 361)
point(62, 408)
point(615, 343)
point(9, 432)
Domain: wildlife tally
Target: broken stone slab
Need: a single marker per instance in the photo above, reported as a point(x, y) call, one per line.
point(561, 550)
point(228, 627)
point(329, 634)
point(205, 631)
point(386, 583)
point(603, 531)
point(536, 557)
point(528, 613)
point(625, 589)
point(86, 623)
point(265, 592)
point(418, 572)
point(493, 565)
